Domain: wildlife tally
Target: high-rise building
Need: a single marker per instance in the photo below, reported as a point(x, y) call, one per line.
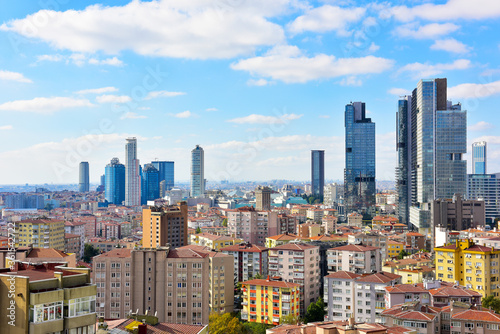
point(114, 183)
point(84, 177)
point(263, 198)
point(359, 172)
point(432, 138)
point(150, 183)
point(166, 170)
point(486, 187)
point(197, 172)
point(479, 157)
point(164, 225)
point(132, 174)
point(317, 172)
point(43, 233)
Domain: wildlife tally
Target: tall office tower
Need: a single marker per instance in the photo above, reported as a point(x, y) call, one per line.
point(164, 225)
point(166, 169)
point(435, 139)
point(479, 157)
point(403, 175)
point(359, 172)
point(132, 174)
point(150, 183)
point(114, 183)
point(197, 172)
point(263, 198)
point(317, 172)
point(84, 177)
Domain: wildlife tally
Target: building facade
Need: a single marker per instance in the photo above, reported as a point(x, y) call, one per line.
point(150, 184)
point(165, 225)
point(485, 187)
point(43, 233)
point(84, 184)
point(252, 226)
point(132, 174)
point(479, 157)
point(197, 172)
point(166, 169)
point(403, 147)
point(317, 172)
point(114, 182)
point(263, 198)
point(249, 261)
point(358, 259)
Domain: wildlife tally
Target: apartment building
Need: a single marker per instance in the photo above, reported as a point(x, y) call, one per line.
point(249, 260)
point(308, 230)
point(362, 297)
point(165, 225)
point(252, 226)
point(77, 228)
point(329, 224)
point(287, 224)
point(267, 301)
point(394, 248)
point(280, 239)
point(43, 233)
point(370, 239)
point(298, 263)
point(48, 298)
point(476, 267)
point(212, 241)
point(415, 240)
point(72, 244)
point(358, 259)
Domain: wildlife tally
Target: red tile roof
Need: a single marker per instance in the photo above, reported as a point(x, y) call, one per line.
point(294, 247)
point(244, 248)
point(403, 288)
point(381, 277)
point(477, 316)
point(343, 275)
point(185, 253)
point(450, 291)
point(38, 253)
point(355, 248)
point(163, 327)
point(117, 253)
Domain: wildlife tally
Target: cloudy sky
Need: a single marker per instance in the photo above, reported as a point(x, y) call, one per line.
point(256, 83)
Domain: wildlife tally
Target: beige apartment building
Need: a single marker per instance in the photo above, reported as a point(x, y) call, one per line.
point(43, 233)
point(251, 225)
point(165, 226)
point(354, 258)
point(372, 239)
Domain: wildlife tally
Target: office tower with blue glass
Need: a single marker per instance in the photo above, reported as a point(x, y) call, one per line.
point(84, 184)
point(317, 172)
point(166, 170)
point(150, 183)
point(132, 174)
point(359, 172)
point(197, 172)
point(434, 134)
point(403, 175)
point(479, 157)
point(114, 182)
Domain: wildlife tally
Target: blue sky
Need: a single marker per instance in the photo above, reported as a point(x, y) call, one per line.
point(257, 84)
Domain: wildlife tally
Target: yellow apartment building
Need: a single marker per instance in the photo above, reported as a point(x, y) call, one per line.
point(212, 241)
point(41, 233)
point(394, 248)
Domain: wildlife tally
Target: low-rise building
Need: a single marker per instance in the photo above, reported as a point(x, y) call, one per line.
point(212, 241)
point(370, 239)
point(280, 239)
point(72, 244)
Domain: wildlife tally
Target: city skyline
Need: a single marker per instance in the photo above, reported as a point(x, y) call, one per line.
point(261, 103)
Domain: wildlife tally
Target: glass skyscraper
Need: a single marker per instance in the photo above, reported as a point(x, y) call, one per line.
point(403, 175)
point(486, 187)
point(197, 172)
point(479, 157)
point(317, 172)
point(150, 183)
point(114, 182)
point(166, 170)
point(359, 172)
point(84, 184)
point(132, 174)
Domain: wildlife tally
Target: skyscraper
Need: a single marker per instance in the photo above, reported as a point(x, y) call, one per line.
point(150, 183)
point(359, 172)
point(166, 170)
point(432, 137)
point(197, 172)
point(114, 182)
point(317, 172)
point(262, 198)
point(84, 177)
point(479, 157)
point(132, 174)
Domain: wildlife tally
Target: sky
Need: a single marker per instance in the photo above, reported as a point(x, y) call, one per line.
point(257, 83)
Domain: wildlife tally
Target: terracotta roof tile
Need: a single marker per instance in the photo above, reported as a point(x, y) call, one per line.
point(117, 252)
point(343, 275)
point(477, 316)
point(381, 277)
point(244, 248)
point(355, 248)
point(38, 253)
point(294, 247)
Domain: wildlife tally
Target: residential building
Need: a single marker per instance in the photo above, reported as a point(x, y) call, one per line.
point(24, 201)
point(48, 298)
point(476, 267)
point(164, 225)
point(422, 319)
point(308, 230)
point(330, 224)
point(197, 172)
point(262, 198)
point(41, 255)
point(249, 260)
point(114, 182)
point(84, 184)
point(43, 233)
point(315, 214)
point(267, 301)
point(250, 225)
point(212, 241)
point(280, 239)
point(359, 172)
point(150, 184)
point(358, 259)
point(370, 239)
point(298, 263)
point(166, 170)
point(479, 157)
point(77, 228)
point(332, 193)
point(287, 223)
point(317, 172)
point(394, 248)
point(486, 187)
point(132, 174)
point(349, 295)
point(72, 244)
point(148, 324)
point(355, 219)
point(414, 240)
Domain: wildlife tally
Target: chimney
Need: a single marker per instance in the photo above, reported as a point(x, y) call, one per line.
point(351, 322)
point(142, 329)
point(267, 278)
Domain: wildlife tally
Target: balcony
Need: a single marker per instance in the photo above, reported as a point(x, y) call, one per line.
point(244, 315)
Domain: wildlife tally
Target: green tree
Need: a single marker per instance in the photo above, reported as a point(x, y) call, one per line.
point(255, 328)
point(492, 302)
point(224, 324)
point(224, 222)
point(89, 252)
point(257, 276)
point(315, 312)
point(289, 319)
point(402, 254)
point(198, 230)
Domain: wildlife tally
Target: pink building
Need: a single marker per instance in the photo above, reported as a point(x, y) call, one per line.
point(252, 226)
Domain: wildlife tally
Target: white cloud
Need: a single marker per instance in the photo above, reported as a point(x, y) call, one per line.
point(450, 45)
point(6, 127)
point(419, 70)
point(263, 119)
point(324, 116)
point(480, 126)
point(162, 93)
point(97, 90)
point(45, 105)
point(113, 98)
point(472, 90)
point(451, 10)
point(109, 61)
point(373, 47)
point(198, 29)
point(211, 109)
point(258, 82)
point(351, 81)
point(77, 58)
point(428, 31)
point(132, 115)
point(184, 114)
point(326, 18)
point(286, 63)
point(53, 58)
point(399, 91)
point(14, 76)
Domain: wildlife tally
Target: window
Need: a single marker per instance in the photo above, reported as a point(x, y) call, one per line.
point(81, 306)
point(46, 312)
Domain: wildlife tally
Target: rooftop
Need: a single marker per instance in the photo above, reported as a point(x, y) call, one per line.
point(276, 284)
